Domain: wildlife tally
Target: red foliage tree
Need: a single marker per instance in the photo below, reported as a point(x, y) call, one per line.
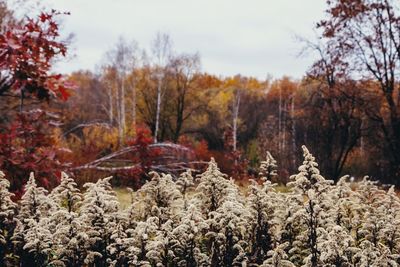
point(26, 55)
point(27, 52)
point(201, 151)
point(144, 155)
point(26, 146)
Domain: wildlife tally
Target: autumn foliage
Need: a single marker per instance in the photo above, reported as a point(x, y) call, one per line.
point(144, 156)
point(138, 113)
point(27, 145)
point(26, 55)
point(27, 52)
point(151, 120)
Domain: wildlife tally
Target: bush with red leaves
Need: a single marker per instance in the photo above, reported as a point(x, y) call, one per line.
point(201, 151)
point(26, 145)
point(143, 156)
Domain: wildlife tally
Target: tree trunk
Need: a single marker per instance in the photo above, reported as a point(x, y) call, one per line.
point(119, 117)
point(158, 109)
point(236, 106)
point(134, 107)
point(284, 126)
point(111, 105)
point(294, 148)
point(280, 122)
point(123, 109)
point(179, 116)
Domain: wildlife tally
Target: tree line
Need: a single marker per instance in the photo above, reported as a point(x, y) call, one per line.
point(345, 108)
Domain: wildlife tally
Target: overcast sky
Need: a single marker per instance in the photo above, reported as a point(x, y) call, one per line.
point(250, 37)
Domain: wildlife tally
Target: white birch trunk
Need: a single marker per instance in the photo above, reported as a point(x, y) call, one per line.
point(235, 118)
point(293, 132)
point(158, 109)
point(123, 109)
point(111, 105)
point(284, 126)
point(119, 116)
point(134, 107)
point(280, 121)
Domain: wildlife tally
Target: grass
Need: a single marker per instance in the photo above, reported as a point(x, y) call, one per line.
point(124, 197)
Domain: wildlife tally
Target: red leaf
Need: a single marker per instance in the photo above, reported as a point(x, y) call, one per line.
point(64, 93)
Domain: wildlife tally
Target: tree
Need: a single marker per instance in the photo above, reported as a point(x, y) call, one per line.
point(86, 106)
point(7, 17)
point(183, 70)
point(161, 50)
point(341, 104)
point(144, 155)
point(278, 131)
point(26, 146)
point(26, 54)
point(367, 35)
point(122, 61)
point(239, 84)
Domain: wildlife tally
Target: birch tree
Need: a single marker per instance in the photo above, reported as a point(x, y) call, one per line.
point(123, 60)
point(161, 50)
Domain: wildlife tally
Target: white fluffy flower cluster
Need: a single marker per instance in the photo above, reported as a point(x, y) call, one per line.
point(208, 221)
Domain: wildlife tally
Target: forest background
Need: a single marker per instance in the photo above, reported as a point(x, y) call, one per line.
point(156, 109)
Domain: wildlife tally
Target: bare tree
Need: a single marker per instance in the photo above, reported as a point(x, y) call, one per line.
point(338, 96)
point(183, 69)
point(108, 79)
point(123, 59)
point(161, 49)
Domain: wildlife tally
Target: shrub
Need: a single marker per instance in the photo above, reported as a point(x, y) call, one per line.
point(312, 223)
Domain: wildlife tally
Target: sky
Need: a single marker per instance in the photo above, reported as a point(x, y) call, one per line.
point(251, 37)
